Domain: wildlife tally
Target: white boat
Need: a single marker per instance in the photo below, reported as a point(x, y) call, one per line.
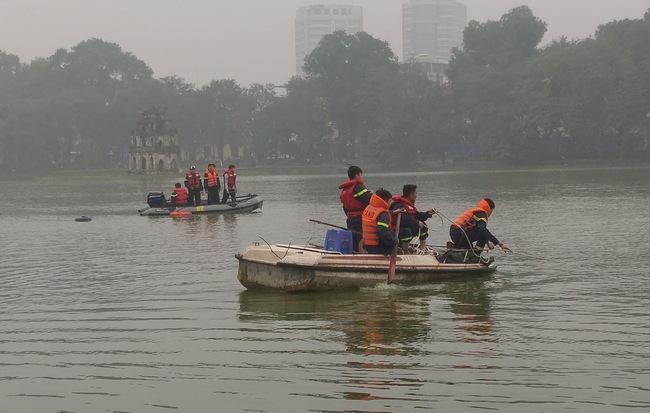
point(310, 268)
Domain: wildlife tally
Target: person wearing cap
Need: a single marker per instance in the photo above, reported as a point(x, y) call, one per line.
point(193, 185)
point(212, 184)
point(229, 184)
point(470, 228)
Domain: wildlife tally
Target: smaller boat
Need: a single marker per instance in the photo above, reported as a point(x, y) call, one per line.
point(312, 268)
point(159, 206)
point(83, 218)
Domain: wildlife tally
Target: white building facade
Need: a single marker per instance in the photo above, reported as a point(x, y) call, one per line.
point(314, 22)
point(432, 28)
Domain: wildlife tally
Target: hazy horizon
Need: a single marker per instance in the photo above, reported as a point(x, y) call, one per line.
point(246, 40)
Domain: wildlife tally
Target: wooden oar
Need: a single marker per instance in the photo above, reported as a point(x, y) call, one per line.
point(393, 256)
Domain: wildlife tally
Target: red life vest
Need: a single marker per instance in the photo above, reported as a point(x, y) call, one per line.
point(212, 177)
point(193, 180)
point(369, 220)
point(353, 206)
point(408, 205)
point(181, 196)
point(230, 177)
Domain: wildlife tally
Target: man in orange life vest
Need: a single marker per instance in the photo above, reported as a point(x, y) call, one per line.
point(179, 195)
point(229, 184)
point(378, 238)
point(355, 197)
point(471, 227)
point(212, 184)
point(193, 185)
point(412, 221)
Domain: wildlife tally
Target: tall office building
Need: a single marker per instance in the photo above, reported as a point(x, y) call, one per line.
point(431, 28)
point(314, 22)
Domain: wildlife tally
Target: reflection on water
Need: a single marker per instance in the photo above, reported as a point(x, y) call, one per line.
point(471, 307)
point(384, 321)
point(381, 329)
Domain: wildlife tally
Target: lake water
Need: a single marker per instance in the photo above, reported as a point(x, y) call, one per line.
point(141, 314)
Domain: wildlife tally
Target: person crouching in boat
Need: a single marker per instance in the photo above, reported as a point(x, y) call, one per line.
point(378, 238)
point(471, 227)
point(179, 195)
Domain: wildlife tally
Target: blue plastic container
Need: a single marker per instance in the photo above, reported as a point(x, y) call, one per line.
point(339, 240)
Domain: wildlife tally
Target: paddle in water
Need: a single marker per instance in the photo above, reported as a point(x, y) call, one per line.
point(393, 256)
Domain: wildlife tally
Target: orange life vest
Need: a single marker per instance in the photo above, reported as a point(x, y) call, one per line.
point(468, 219)
point(369, 220)
point(213, 178)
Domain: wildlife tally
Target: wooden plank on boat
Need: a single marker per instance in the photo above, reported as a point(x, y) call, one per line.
point(307, 248)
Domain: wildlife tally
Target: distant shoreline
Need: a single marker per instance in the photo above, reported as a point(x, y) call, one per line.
point(341, 168)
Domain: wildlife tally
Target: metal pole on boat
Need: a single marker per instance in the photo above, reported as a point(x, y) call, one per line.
point(393, 256)
point(334, 226)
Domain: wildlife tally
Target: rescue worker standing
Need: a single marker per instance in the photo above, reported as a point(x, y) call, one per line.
point(193, 185)
point(229, 184)
point(355, 197)
point(412, 224)
point(212, 184)
point(471, 227)
point(378, 238)
point(179, 195)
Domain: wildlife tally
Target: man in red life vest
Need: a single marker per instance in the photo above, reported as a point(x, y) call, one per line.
point(471, 227)
point(212, 184)
point(412, 224)
point(179, 195)
point(378, 238)
point(355, 197)
point(229, 184)
point(193, 185)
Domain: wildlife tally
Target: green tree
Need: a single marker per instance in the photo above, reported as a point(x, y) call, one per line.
point(297, 124)
point(512, 38)
point(402, 128)
point(9, 64)
point(483, 73)
point(346, 66)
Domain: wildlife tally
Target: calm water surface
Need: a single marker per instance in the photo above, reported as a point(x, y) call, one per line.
point(143, 314)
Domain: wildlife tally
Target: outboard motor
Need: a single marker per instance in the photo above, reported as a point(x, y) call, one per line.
point(156, 199)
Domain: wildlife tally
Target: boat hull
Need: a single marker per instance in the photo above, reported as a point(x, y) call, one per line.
point(304, 268)
point(244, 204)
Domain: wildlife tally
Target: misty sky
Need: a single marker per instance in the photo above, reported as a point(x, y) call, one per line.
point(246, 40)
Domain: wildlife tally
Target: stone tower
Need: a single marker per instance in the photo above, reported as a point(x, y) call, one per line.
point(154, 144)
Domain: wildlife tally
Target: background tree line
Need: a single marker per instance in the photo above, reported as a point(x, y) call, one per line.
point(507, 99)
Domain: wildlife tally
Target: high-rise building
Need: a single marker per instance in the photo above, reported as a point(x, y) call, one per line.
point(314, 22)
point(432, 28)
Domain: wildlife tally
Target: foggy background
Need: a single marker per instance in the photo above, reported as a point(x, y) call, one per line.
point(246, 40)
